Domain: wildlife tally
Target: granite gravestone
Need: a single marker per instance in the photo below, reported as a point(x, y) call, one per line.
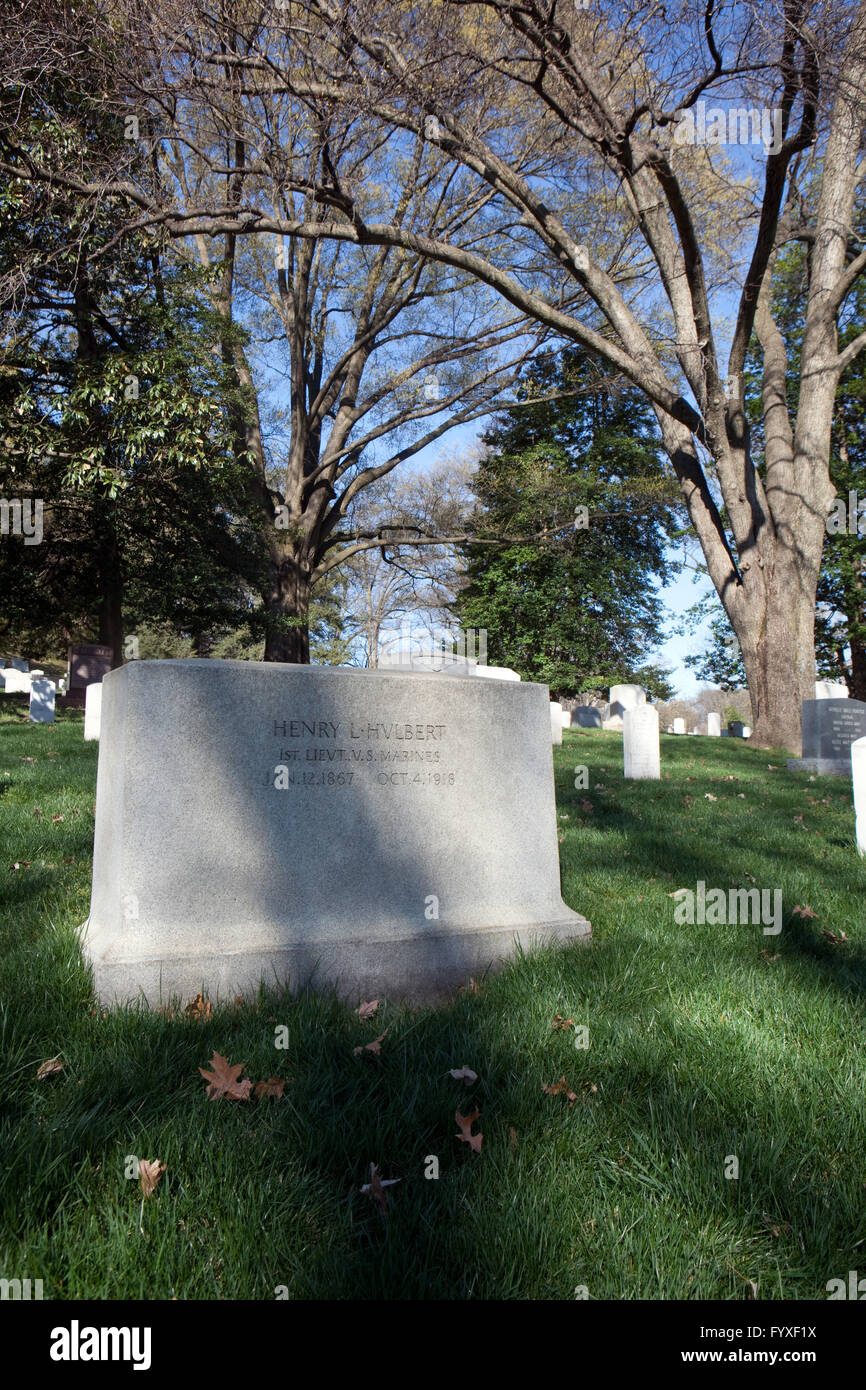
point(829, 729)
point(92, 711)
point(858, 776)
point(42, 694)
point(88, 662)
point(640, 743)
point(381, 831)
point(586, 717)
point(735, 728)
point(714, 725)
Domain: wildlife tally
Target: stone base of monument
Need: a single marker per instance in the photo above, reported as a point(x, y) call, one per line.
point(384, 833)
point(826, 767)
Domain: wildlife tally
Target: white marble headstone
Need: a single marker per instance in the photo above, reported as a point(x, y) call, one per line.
point(640, 742)
point(42, 701)
point(714, 725)
point(556, 721)
point(679, 726)
point(831, 690)
point(17, 681)
point(92, 711)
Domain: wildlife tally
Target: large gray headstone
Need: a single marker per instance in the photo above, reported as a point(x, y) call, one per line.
point(88, 662)
point(42, 694)
point(386, 832)
point(829, 729)
point(640, 743)
point(586, 717)
point(736, 728)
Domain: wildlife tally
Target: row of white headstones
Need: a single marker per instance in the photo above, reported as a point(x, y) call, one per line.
point(641, 753)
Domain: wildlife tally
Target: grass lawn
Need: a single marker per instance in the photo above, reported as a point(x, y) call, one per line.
point(700, 1047)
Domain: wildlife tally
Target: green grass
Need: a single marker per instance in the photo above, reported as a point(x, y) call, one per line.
point(700, 1048)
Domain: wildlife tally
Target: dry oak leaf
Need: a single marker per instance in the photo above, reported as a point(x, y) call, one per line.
point(198, 1008)
point(150, 1170)
point(560, 1022)
point(470, 988)
point(224, 1080)
point(840, 940)
point(375, 1188)
point(465, 1123)
point(768, 957)
point(799, 911)
point(375, 1046)
point(272, 1087)
point(49, 1068)
point(464, 1073)
point(560, 1087)
point(367, 1010)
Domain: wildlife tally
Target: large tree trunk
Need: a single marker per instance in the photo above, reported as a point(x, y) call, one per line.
point(111, 604)
point(287, 605)
point(778, 654)
point(110, 597)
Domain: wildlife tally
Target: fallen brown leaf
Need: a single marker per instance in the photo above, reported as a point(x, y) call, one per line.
point(367, 1010)
point(150, 1170)
point(768, 957)
point(465, 1123)
point(198, 1008)
point(560, 1022)
point(49, 1068)
point(375, 1046)
point(799, 911)
point(560, 1087)
point(224, 1080)
point(375, 1188)
point(272, 1087)
point(840, 940)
